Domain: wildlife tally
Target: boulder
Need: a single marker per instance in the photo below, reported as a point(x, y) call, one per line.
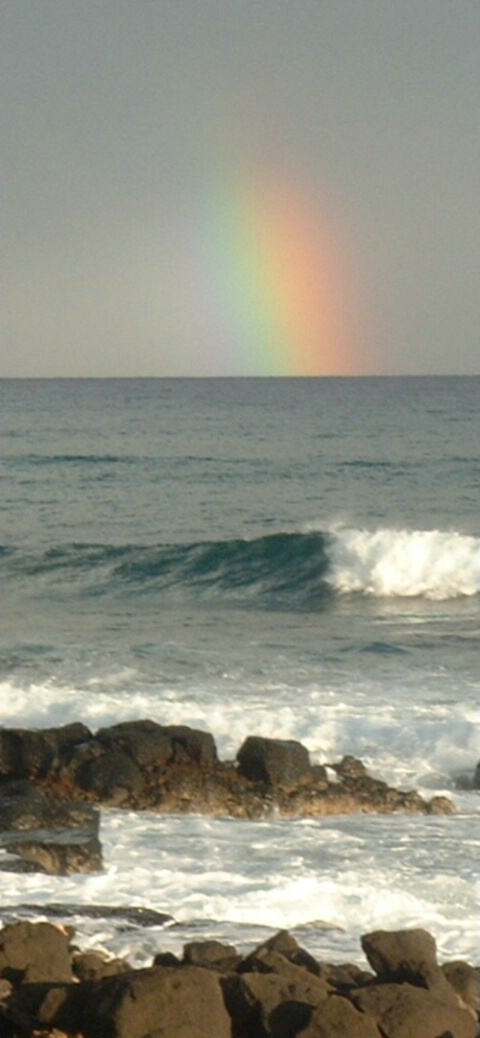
point(405, 1011)
point(163, 1001)
point(275, 762)
point(336, 1017)
point(408, 955)
point(153, 745)
point(33, 754)
point(34, 953)
point(277, 1004)
point(476, 777)
point(401, 955)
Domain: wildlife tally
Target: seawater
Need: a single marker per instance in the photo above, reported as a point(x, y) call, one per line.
point(295, 558)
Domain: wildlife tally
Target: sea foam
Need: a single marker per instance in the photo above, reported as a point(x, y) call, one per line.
point(388, 562)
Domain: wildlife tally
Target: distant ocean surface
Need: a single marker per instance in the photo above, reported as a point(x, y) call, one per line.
point(296, 558)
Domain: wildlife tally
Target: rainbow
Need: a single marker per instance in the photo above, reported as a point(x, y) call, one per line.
point(271, 286)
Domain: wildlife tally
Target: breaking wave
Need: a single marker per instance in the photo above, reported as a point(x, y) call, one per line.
point(301, 568)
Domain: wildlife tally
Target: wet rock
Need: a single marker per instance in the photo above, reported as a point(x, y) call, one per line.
point(350, 768)
point(174, 768)
point(405, 1011)
point(276, 762)
point(47, 834)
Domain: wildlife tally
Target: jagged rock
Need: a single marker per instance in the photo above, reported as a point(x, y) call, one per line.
point(174, 768)
point(405, 1011)
point(34, 953)
point(277, 762)
point(211, 994)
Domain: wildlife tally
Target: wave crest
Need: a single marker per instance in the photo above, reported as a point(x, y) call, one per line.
point(297, 570)
point(405, 563)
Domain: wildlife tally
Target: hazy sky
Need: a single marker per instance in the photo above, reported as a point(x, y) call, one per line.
point(139, 138)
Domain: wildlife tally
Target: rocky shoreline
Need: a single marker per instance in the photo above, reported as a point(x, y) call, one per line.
point(50, 988)
point(54, 780)
point(53, 783)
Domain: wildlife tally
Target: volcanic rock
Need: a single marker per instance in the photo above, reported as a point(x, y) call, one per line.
point(53, 835)
point(277, 762)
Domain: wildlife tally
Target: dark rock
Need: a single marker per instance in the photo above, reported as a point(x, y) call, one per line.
point(25, 807)
point(476, 777)
point(174, 768)
point(33, 1007)
point(52, 835)
point(405, 1011)
point(276, 762)
point(24, 753)
point(153, 745)
point(173, 1003)
point(34, 952)
point(60, 854)
point(112, 777)
point(350, 768)
point(338, 1018)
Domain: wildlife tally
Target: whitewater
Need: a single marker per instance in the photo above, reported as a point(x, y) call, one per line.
point(289, 558)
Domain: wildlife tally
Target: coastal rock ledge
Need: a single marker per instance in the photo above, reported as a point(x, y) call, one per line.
point(277, 991)
point(175, 769)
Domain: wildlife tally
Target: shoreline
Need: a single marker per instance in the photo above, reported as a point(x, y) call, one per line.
point(50, 988)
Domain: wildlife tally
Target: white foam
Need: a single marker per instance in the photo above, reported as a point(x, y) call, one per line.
point(353, 874)
point(406, 741)
point(387, 562)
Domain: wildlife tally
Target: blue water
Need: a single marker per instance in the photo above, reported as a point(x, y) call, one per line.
point(291, 557)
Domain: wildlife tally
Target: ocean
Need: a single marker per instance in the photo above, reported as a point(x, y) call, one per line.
point(294, 558)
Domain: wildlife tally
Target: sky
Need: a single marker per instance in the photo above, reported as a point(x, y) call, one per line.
point(239, 187)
